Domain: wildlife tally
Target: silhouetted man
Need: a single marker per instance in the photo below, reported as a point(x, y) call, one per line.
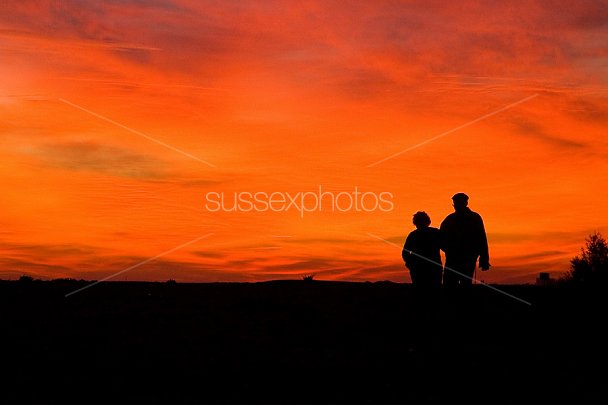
point(421, 252)
point(463, 239)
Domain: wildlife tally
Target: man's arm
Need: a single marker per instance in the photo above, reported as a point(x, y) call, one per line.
point(484, 253)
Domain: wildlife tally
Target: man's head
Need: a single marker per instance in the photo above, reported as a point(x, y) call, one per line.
point(460, 201)
point(421, 219)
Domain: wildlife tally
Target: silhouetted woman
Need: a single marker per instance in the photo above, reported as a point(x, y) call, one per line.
point(421, 252)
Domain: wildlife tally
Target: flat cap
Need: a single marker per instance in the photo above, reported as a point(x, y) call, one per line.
point(460, 197)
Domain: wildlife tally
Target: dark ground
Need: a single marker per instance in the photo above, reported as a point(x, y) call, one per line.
point(291, 342)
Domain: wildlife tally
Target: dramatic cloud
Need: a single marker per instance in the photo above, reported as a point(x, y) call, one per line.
point(285, 96)
point(101, 158)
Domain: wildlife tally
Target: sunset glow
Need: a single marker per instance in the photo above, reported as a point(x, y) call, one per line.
point(118, 118)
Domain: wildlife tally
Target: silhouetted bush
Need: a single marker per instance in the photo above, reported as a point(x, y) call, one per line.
point(25, 279)
point(171, 281)
point(309, 278)
point(591, 267)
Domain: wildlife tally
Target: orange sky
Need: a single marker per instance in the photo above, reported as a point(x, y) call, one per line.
point(284, 97)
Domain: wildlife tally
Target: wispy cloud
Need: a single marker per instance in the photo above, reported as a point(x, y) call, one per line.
point(100, 158)
point(47, 251)
point(530, 128)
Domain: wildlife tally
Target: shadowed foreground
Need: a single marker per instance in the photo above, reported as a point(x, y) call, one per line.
point(291, 342)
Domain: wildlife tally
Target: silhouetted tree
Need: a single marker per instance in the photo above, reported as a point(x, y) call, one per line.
point(591, 266)
point(26, 279)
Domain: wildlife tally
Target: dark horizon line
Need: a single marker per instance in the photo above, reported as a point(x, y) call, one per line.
point(299, 280)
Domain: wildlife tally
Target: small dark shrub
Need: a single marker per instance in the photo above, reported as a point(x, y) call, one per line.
point(26, 279)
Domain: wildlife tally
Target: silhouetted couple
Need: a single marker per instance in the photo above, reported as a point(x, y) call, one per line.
point(461, 236)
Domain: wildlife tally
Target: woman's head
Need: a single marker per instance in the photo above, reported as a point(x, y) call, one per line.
point(421, 219)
